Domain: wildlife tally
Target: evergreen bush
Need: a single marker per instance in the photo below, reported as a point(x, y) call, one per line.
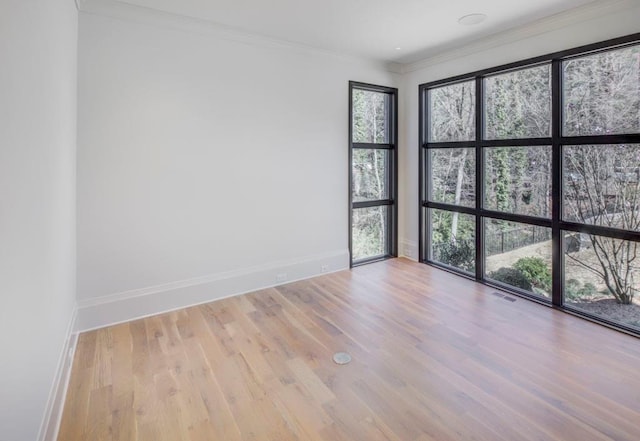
point(536, 270)
point(513, 277)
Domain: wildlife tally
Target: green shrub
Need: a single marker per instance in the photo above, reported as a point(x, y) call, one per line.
point(574, 290)
point(536, 270)
point(588, 290)
point(459, 254)
point(513, 277)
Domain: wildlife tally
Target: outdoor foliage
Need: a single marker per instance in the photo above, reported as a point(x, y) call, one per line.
point(503, 236)
point(602, 187)
point(574, 290)
point(536, 271)
point(454, 182)
point(518, 104)
point(370, 172)
point(602, 93)
point(518, 180)
point(453, 239)
point(511, 276)
point(601, 183)
point(369, 235)
point(461, 254)
point(370, 116)
point(452, 116)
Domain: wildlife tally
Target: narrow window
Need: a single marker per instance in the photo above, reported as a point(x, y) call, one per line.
point(372, 172)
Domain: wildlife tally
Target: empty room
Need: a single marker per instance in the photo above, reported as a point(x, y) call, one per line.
point(327, 220)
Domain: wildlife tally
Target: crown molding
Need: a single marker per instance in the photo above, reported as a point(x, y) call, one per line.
point(397, 68)
point(590, 11)
point(125, 11)
point(119, 9)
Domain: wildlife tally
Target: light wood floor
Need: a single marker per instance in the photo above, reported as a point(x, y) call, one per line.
point(435, 357)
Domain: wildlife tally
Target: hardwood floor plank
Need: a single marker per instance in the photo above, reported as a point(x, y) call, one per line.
point(435, 358)
point(99, 419)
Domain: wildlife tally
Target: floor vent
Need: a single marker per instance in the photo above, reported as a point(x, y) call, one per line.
point(502, 296)
point(341, 358)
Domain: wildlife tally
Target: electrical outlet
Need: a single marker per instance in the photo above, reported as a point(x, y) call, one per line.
point(281, 277)
point(324, 268)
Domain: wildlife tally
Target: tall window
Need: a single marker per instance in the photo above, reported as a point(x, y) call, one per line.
point(373, 172)
point(530, 178)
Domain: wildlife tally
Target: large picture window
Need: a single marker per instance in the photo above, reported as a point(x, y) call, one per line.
point(372, 172)
point(530, 179)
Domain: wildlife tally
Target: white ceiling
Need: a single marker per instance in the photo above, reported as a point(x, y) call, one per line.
point(367, 28)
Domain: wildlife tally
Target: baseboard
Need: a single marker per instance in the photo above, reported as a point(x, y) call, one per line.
point(55, 404)
point(409, 249)
point(130, 305)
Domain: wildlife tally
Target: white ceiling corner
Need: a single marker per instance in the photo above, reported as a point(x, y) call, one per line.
point(425, 30)
point(548, 24)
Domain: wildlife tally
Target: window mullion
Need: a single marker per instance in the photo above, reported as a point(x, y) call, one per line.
point(424, 174)
point(479, 178)
point(557, 269)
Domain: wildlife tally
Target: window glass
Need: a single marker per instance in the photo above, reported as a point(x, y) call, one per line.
point(602, 277)
point(518, 104)
point(585, 187)
point(453, 176)
point(518, 180)
point(452, 112)
point(601, 93)
point(453, 239)
point(519, 255)
point(370, 116)
point(370, 174)
point(369, 232)
point(601, 185)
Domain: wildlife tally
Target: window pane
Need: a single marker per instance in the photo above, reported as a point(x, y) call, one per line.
point(452, 112)
point(453, 176)
point(453, 239)
point(371, 116)
point(370, 174)
point(518, 104)
point(602, 277)
point(519, 255)
point(601, 185)
point(518, 180)
point(369, 233)
point(602, 93)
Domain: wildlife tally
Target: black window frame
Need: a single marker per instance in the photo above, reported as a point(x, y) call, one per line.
point(556, 141)
point(392, 184)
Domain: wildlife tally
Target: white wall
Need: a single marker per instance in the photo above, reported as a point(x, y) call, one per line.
point(606, 26)
point(206, 166)
point(207, 158)
point(38, 52)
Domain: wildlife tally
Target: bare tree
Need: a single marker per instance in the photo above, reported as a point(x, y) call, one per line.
point(602, 182)
point(602, 187)
point(453, 119)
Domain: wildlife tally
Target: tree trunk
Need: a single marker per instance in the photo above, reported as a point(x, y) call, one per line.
point(458, 195)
